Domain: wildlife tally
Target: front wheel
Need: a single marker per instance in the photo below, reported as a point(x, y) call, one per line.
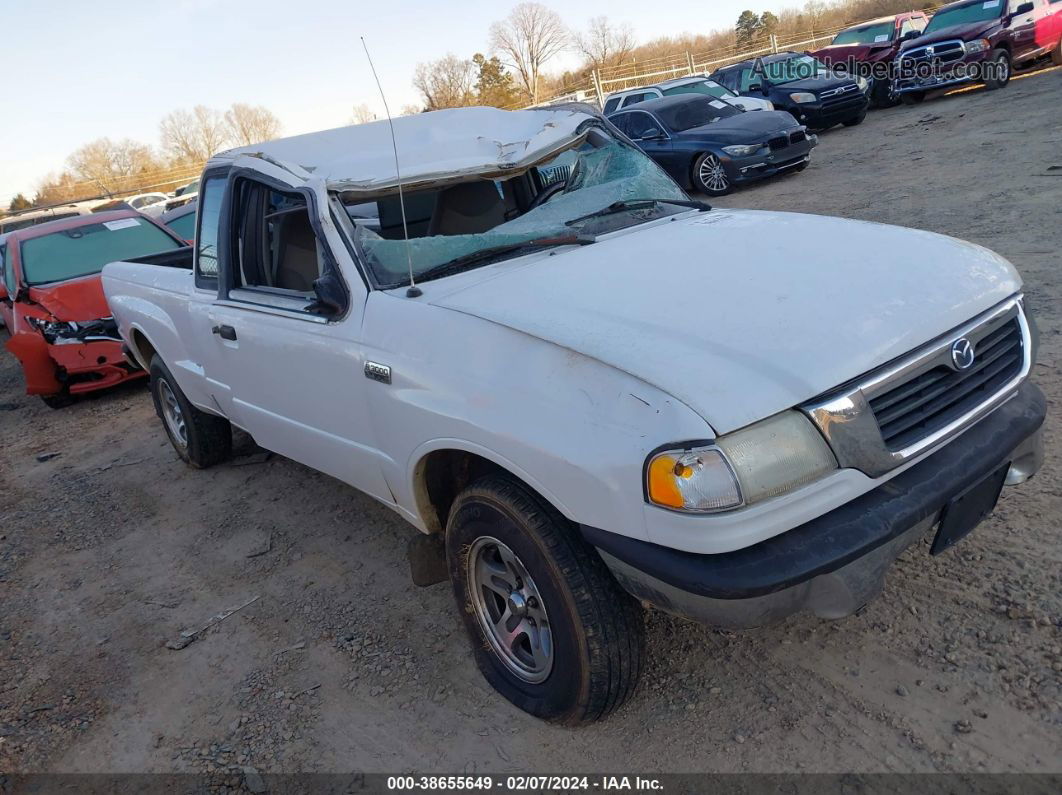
point(913, 97)
point(1056, 54)
point(997, 68)
point(551, 629)
point(200, 439)
point(709, 175)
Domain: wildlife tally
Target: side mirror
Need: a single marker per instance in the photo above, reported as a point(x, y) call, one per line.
point(331, 297)
point(653, 135)
point(911, 34)
point(1024, 8)
point(756, 87)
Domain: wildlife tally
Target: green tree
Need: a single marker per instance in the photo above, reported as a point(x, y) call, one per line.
point(20, 202)
point(494, 86)
point(768, 23)
point(747, 28)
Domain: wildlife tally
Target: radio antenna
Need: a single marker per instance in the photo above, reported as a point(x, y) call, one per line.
point(413, 290)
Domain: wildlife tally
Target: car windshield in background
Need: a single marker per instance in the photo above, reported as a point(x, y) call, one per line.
point(799, 68)
point(184, 226)
point(696, 112)
point(458, 222)
point(707, 87)
point(84, 250)
point(868, 34)
point(978, 11)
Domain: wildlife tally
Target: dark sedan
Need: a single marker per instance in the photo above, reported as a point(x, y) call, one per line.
point(712, 146)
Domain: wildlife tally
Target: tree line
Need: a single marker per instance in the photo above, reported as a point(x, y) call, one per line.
point(187, 138)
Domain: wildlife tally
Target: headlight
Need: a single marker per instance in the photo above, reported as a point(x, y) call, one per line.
point(742, 151)
point(862, 83)
point(770, 105)
point(765, 459)
point(802, 96)
point(977, 45)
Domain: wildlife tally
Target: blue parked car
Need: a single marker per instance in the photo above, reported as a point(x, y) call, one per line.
point(712, 146)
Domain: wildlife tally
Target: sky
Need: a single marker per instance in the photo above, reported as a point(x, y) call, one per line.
point(78, 71)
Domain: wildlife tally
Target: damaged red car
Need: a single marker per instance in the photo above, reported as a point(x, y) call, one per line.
point(53, 305)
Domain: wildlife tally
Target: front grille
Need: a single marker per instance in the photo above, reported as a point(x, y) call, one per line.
point(781, 142)
point(944, 52)
point(797, 137)
point(931, 400)
point(550, 175)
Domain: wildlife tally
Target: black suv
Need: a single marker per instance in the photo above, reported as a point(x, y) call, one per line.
point(801, 85)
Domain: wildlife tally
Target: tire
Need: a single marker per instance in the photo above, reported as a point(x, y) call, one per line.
point(200, 439)
point(882, 95)
point(913, 97)
point(590, 654)
point(709, 175)
point(1001, 58)
point(1056, 54)
point(59, 401)
point(855, 122)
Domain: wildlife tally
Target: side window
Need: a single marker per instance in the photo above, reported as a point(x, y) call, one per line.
point(639, 124)
point(635, 98)
point(748, 78)
point(611, 105)
point(277, 245)
point(912, 24)
point(206, 248)
point(725, 79)
point(621, 120)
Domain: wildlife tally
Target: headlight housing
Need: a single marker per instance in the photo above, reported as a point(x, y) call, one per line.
point(770, 105)
point(741, 150)
point(977, 45)
point(862, 83)
point(763, 460)
point(802, 96)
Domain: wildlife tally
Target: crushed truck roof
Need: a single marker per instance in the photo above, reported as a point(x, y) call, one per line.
point(443, 144)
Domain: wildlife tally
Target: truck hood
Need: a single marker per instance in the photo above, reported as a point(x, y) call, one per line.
point(76, 300)
point(967, 32)
point(860, 53)
point(738, 313)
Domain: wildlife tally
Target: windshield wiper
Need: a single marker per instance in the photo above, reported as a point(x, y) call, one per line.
point(484, 254)
point(637, 204)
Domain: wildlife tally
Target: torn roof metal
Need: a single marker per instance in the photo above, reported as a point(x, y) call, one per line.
point(441, 145)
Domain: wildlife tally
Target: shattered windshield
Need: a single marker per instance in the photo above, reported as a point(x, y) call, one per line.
point(545, 205)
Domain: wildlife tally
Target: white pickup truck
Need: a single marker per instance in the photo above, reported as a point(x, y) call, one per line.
point(598, 392)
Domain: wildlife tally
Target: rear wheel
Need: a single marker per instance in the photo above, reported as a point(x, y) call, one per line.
point(998, 68)
point(200, 439)
point(710, 176)
point(913, 97)
point(59, 401)
point(551, 629)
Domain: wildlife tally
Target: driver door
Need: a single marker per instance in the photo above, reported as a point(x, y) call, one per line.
point(652, 137)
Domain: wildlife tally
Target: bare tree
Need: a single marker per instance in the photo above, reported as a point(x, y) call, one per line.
point(109, 164)
point(410, 110)
point(362, 114)
point(445, 83)
point(193, 136)
point(251, 124)
point(605, 44)
point(529, 37)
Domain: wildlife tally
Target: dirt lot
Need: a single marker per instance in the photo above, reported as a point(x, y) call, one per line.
point(111, 548)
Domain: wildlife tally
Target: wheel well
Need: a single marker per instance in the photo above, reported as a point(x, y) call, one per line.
point(1003, 45)
point(144, 349)
point(443, 474)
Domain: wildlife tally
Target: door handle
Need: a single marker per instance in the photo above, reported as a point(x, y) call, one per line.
point(225, 332)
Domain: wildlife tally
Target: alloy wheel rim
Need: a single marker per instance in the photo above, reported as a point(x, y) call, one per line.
point(172, 414)
point(510, 610)
point(712, 174)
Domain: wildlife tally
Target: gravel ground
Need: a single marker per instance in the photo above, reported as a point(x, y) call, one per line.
point(111, 548)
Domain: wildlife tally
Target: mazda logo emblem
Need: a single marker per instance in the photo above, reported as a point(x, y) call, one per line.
point(962, 354)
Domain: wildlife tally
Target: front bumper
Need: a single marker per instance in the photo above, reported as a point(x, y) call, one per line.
point(835, 564)
point(930, 78)
point(759, 166)
point(820, 116)
point(72, 367)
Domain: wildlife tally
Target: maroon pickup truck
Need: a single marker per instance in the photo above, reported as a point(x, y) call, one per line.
point(869, 49)
point(978, 41)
